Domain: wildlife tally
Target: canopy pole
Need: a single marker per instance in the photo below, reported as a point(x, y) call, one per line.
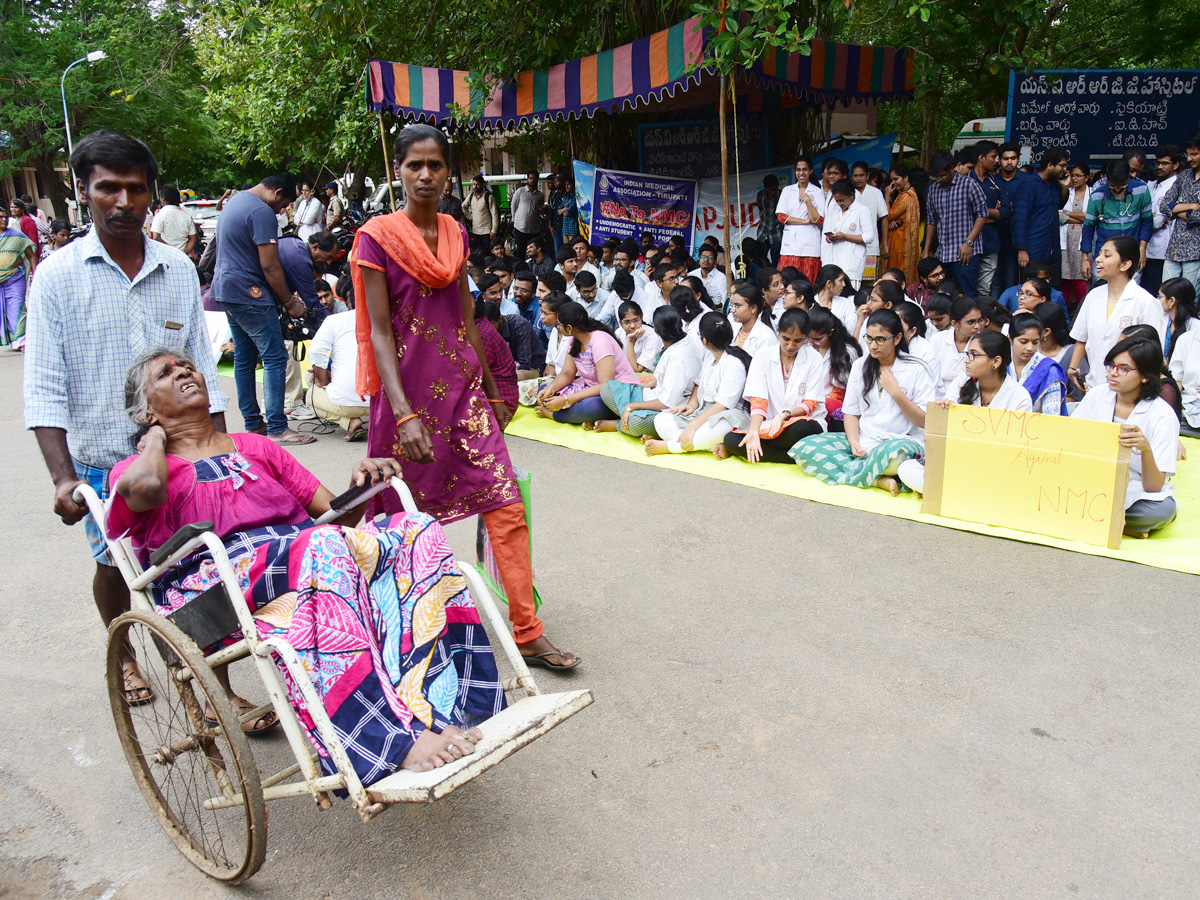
point(387, 166)
point(570, 139)
point(725, 182)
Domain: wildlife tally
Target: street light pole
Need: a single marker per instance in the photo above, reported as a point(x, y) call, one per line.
point(93, 56)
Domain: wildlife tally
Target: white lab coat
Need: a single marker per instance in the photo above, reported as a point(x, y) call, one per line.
point(872, 198)
point(880, 416)
point(722, 381)
point(827, 367)
point(760, 337)
point(1157, 421)
point(850, 256)
point(1185, 369)
point(1137, 306)
point(557, 349)
point(1010, 396)
point(674, 375)
point(806, 381)
point(922, 348)
point(804, 239)
point(645, 350)
point(844, 309)
point(952, 361)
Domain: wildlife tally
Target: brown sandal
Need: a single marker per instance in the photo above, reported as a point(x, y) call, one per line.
point(136, 691)
point(259, 726)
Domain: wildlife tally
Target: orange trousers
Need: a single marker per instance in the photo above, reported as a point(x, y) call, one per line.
point(510, 544)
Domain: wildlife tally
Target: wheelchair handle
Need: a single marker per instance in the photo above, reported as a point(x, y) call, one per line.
point(355, 496)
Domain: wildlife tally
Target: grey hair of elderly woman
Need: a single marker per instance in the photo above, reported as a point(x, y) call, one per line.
point(137, 379)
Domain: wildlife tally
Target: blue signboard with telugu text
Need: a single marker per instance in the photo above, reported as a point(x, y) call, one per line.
point(1098, 114)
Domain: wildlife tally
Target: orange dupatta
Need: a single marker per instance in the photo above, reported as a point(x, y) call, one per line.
point(404, 244)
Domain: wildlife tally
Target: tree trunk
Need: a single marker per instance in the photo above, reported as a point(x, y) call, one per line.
point(56, 189)
point(357, 188)
point(930, 104)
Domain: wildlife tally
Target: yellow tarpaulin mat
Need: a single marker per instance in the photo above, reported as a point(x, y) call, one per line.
point(1175, 547)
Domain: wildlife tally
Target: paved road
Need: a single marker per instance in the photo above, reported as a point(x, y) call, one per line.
point(792, 701)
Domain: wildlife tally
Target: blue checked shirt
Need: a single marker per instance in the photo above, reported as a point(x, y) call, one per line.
point(86, 323)
point(953, 212)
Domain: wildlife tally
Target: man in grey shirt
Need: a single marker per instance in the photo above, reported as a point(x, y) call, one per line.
point(528, 210)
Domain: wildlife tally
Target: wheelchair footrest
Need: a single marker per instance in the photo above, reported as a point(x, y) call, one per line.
point(208, 618)
point(503, 735)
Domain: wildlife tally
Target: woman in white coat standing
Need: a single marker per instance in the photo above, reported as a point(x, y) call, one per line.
point(1149, 428)
point(1110, 308)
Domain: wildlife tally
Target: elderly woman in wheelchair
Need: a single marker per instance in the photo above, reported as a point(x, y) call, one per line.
point(379, 614)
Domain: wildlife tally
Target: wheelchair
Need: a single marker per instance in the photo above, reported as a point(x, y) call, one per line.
point(186, 748)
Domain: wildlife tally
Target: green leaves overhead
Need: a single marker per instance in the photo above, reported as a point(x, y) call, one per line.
point(148, 87)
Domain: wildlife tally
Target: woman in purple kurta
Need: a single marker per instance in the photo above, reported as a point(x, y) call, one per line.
point(435, 407)
point(444, 385)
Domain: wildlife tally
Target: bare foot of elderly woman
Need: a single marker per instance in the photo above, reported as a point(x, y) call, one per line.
point(432, 750)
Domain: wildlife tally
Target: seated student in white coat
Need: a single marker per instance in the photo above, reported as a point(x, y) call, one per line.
point(716, 406)
point(966, 321)
point(884, 410)
point(919, 345)
point(558, 346)
point(786, 391)
point(884, 295)
point(1178, 299)
point(985, 382)
point(1185, 369)
point(830, 283)
point(687, 304)
point(751, 319)
point(770, 282)
point(1111, 307)
point(849, 227)
point(838, 350)
point(657, 293)
point(1130, 397)
point(675, 371)
point(642, 345)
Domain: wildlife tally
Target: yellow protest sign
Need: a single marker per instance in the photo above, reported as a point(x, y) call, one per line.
point(1049, 475)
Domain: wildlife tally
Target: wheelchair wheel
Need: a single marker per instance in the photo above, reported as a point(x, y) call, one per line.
point(178, 760)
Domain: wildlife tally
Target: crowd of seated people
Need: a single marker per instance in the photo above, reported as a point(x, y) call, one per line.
point(837, 381)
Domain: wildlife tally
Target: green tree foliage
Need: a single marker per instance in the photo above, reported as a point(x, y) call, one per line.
point(288, 76)
point(149, 87)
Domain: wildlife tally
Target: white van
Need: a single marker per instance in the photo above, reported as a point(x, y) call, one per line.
point(979, 130)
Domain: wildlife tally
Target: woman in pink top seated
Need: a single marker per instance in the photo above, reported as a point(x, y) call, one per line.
point(593, 359)
point(380, 615)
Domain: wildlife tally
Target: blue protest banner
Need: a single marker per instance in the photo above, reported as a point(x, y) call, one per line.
point(585, 188)
point(625, 204)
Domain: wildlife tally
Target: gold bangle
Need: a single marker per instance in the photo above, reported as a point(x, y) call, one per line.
point(407, 418)
point(490, 400)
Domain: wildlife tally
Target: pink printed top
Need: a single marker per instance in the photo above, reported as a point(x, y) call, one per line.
point(601, 345)
point(259, 484)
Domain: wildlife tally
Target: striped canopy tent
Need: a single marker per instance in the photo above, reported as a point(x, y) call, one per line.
point(658, 71)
